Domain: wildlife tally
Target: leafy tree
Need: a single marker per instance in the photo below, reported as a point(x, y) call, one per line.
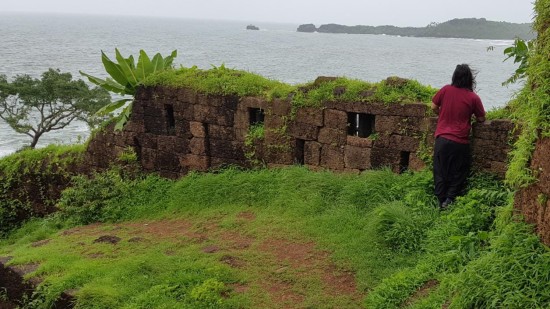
point(36, 106)
point(520, 52)
point(126, 76)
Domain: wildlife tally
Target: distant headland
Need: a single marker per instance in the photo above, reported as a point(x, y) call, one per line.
point(467, 28)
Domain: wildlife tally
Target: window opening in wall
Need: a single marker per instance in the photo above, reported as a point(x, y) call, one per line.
point(170, 120)
point(256, 116)
point(404, 161)
point(361, 125)
point(299, 152)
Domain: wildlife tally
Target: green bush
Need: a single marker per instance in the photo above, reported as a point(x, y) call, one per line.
point(512, 273)
point(400, 228)
point(89, 200)
point(452, 242)
point(10, 214)
point(110, 196)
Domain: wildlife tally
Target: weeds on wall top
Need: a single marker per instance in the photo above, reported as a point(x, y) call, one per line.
point(221, 81)
point(224, 81)
point(31, 160)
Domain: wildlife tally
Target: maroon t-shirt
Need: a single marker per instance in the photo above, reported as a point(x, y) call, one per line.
point(456, 107)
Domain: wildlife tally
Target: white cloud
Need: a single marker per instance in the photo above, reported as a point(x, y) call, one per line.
point(349, 12)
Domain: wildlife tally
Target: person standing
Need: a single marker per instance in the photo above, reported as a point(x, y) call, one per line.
point(455, 104)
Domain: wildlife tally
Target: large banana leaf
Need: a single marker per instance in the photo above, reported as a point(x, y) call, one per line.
point(107, 84)
point(124, 117)
point(107, 109)
point(144, 65)
point(126, 75)
point(127, 68)
point(114, 70)
point(169, 59)
point(158, 63)
point(131, 62)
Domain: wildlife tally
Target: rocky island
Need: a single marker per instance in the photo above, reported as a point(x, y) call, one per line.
point(252, 27)
point(467, 28)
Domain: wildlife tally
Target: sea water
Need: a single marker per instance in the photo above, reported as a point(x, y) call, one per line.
point(32, 43)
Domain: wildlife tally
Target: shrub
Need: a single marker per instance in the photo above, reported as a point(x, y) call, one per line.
point(89, 200)
point(400, 228)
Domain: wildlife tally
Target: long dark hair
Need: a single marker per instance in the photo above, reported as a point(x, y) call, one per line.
point(463, 77)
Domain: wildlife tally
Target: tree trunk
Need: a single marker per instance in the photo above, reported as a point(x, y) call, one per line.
point(35, 140)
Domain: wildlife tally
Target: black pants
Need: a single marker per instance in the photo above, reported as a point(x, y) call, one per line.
point(452, 162)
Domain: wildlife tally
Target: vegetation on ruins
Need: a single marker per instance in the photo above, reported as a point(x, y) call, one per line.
point(126, 76)
point(530, 108)
point(255, 134)
point(221, 81)
point(35, 107)
point(224, 81)
point(32, 177)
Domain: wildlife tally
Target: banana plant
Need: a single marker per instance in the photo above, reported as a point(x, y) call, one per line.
point(126, 75)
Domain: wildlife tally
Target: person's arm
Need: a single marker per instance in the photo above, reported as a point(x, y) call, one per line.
point(435, 108)
point(436, 100)
point(479, 111)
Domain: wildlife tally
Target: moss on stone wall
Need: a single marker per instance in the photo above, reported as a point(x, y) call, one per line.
point(224, 81)
point(221, 81)
point(31, 181)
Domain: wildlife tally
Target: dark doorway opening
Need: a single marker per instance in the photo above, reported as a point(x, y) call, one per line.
point(404, 161)
point(170, 120)
point(299, 152)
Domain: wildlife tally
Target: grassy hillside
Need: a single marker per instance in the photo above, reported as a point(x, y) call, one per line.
point(279, 239)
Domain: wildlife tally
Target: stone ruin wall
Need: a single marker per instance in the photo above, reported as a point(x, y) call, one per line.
point(175, 131)
point(533, 202)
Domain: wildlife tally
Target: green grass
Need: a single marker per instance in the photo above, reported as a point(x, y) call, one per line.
point(223, 81)
point(382, 227)
point(499, 113)
point(337, 212)
point(49, 157)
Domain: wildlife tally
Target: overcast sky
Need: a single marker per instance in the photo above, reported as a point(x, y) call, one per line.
point(349, 12)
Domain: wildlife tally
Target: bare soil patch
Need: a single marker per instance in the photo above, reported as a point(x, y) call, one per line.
point(109, 239)
point(278, 267)
point(313, 262)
